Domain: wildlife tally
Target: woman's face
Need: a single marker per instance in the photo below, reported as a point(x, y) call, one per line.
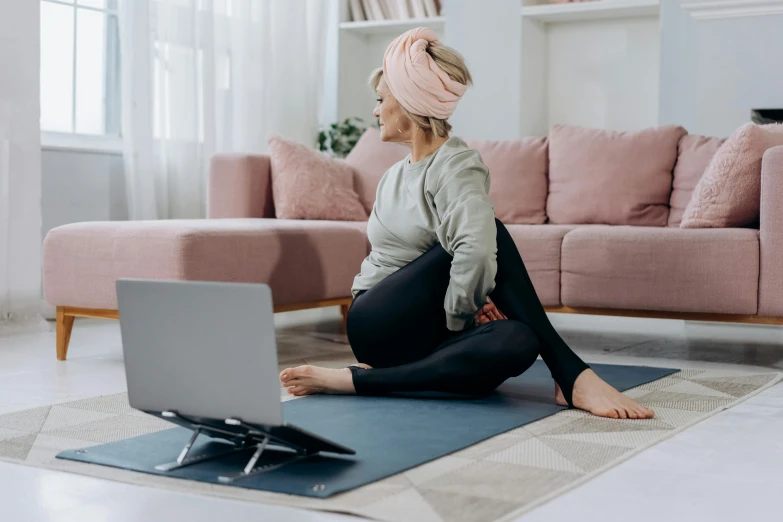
point(395, 126)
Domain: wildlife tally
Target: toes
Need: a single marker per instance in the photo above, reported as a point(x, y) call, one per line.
point(640, 411)
point(298, 390)
point(609, 414)
point(285, 375)
point(291, 375)
point(632, 414)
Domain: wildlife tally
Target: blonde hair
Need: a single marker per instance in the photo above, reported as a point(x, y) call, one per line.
point(454, 65)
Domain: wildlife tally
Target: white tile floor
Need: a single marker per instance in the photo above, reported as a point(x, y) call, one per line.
point(729, 467)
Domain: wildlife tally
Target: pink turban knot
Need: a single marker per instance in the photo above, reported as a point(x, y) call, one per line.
point(414, 78)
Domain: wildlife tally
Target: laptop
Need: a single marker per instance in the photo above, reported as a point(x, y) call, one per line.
point(205, 352)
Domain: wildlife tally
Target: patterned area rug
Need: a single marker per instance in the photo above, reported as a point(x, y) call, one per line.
point(498, 479)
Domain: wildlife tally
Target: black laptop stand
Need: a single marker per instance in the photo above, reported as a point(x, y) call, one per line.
point(298, 444)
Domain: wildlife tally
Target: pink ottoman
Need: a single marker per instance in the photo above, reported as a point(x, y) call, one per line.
point(306, 263)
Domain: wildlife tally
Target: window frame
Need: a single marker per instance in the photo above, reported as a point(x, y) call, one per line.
point(105, 143)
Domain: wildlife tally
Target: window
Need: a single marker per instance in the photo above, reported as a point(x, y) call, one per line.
point(80, 76)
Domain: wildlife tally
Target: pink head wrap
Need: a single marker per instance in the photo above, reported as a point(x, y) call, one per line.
point(414, 78)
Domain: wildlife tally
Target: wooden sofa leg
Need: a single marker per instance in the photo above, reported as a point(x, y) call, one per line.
point(344, 311)
point(64, 327)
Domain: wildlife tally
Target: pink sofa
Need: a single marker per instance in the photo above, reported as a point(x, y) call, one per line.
point(667, 272)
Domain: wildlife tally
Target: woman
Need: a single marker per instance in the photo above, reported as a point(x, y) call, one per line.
point(444, 302)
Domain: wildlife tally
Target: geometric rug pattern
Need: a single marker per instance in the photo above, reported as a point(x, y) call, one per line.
point(497, 479)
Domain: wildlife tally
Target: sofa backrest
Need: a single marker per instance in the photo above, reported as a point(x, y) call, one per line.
point(693, 155)
point(614, 178)
point(518, 168)
point(240, 186)
point(370, 159)
point(521, 179)
point(518, 171)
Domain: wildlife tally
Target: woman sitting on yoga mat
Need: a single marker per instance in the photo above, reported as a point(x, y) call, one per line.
point(444, 302)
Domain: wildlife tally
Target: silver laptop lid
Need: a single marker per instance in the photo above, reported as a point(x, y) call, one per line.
point(201, 349)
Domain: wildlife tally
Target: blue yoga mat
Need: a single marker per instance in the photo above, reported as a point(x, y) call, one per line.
point(389, 434)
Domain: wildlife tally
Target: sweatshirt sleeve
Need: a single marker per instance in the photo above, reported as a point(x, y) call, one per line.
point(467, 232)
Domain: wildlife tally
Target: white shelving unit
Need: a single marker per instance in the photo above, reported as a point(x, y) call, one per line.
point(593, 63)
point(594, 10)
point(392, 27)
point(356, 49)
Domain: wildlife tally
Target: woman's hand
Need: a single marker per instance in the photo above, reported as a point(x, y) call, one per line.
point(488, 313)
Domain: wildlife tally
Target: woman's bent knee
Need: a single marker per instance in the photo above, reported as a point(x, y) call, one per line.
point(517, 345)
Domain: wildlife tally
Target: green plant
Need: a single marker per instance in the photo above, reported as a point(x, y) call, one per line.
point(338, 139)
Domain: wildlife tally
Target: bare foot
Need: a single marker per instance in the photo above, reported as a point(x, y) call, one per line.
point(307, 379)
point(594, 395)
point(361, 365)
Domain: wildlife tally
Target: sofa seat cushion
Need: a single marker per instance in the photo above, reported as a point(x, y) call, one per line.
point(539, 246)
point(300, 260)
point(667, 269)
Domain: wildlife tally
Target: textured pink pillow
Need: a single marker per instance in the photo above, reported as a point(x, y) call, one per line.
point(518, 185)
point(371, 158)
point(729, 192)
point(693, 156)
point(307, 184)
point(613, 178)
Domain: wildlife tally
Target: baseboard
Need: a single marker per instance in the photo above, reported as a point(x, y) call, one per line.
point(740, 332)
point(31, 324)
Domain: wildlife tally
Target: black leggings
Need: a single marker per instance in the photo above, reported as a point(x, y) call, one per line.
point(399, 328)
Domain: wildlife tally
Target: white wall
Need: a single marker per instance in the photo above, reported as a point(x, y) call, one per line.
point(675, 99)
point(728, 63)
point(20, 163)
point(604, 73)
point(534, 89)
point(488, 34)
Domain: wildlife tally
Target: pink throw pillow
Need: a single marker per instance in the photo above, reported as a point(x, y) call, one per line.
point(614, 178)
point(518, 174)
point(729, 192)
point(371, 158)
point(307, 184)
point(693, 156)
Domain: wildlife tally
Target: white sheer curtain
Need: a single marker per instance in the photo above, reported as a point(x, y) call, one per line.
point(20, 167)
point(206, 76)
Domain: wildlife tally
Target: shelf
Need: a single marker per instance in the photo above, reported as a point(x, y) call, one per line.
point(593, 10)
point(393, 27)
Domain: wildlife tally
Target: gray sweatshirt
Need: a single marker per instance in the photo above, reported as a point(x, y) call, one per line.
point(440, 199)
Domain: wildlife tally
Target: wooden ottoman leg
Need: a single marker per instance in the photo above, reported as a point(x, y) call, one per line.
point(64, 327)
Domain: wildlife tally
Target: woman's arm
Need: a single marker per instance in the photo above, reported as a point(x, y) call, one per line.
point(467, 231)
